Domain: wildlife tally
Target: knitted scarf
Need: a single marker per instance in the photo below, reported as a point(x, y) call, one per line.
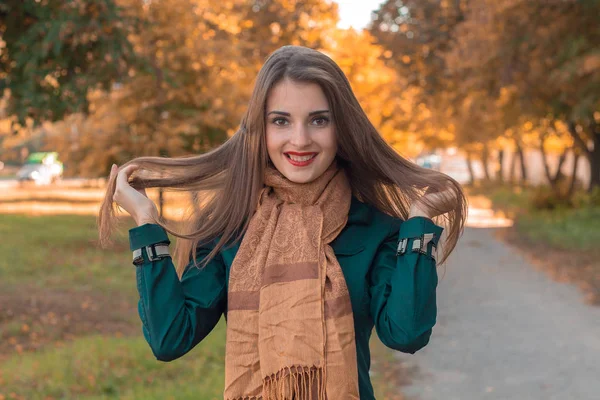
point(290, 328)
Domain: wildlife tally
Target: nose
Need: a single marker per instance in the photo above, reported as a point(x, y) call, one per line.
point(300, 136)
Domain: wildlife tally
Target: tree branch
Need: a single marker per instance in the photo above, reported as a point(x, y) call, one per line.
point(578, 139)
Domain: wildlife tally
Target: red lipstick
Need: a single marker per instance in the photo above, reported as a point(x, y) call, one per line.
point(300, 163)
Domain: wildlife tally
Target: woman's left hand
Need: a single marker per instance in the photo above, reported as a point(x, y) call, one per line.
point(420, 208)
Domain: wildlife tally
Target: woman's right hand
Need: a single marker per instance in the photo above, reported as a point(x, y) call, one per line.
point(135, 202)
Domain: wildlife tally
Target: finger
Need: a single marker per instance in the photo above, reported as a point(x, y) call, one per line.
point(113, 171)
point(125, 173)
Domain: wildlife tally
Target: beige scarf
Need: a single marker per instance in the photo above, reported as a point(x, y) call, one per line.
point(290, 329)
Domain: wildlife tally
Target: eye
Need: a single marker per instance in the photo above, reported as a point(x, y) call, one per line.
point(279, 121)
point(321, 120)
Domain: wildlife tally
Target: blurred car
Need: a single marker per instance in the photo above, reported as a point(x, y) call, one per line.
point(431, 161)
point(42, 168)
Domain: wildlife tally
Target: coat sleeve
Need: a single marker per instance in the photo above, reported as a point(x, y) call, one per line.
point(176, 315)
point(403, 285)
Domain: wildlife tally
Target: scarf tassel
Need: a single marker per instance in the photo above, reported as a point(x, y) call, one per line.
point(295, 383)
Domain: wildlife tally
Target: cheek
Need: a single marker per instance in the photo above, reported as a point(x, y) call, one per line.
point(271, 139)
point(330, 141)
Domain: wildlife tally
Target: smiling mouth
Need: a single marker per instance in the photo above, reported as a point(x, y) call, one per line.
point(300, 157)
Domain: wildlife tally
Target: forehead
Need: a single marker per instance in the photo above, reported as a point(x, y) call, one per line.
point(289, 96)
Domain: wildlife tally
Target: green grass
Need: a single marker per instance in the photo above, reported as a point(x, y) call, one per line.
point(571, 228)
point(51, 255)
point(62, 252)
point(511, 199)
point(387, 374)
point(116, 368)
point(123, 368)
point(563, 228)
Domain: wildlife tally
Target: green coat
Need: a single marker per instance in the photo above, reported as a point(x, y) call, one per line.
point(393, 293)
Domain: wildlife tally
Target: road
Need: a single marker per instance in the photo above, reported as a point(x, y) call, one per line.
point(505, 331)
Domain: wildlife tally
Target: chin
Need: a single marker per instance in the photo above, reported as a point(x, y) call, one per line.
point(299, 176)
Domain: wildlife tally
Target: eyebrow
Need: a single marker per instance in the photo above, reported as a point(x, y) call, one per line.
point(288, 114)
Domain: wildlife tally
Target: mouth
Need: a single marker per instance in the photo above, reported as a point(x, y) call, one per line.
point(300, 159)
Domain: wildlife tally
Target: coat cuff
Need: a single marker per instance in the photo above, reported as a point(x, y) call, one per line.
point(417, 226)
point(147, 234)
point(418, 234)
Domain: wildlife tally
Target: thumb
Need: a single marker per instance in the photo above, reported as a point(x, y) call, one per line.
point(113, 171)
point(125, 173)
point(142, 191)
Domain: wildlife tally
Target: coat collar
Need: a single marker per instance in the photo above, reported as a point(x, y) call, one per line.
point(359, 212)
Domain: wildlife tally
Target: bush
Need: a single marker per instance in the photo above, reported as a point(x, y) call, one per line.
point(585, 199)
point(545, 198)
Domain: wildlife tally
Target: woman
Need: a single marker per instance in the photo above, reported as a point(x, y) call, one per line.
point(301, 242)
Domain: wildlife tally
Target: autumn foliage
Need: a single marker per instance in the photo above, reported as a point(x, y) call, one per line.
point(117, 79)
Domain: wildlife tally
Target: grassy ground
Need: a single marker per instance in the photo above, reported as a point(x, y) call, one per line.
point(69, 327)
point(387, 373)
point(562, 240)
point(561, 227)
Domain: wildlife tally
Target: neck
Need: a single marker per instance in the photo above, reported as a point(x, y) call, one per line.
point(309, 193)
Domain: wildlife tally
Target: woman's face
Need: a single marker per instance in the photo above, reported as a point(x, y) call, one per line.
point(301, 139)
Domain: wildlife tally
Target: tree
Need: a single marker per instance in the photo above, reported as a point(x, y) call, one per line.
point(53, 52)
point(199, 81)
point(378, 87)
point(545, 55)
point(550, 52)
point(417, 36)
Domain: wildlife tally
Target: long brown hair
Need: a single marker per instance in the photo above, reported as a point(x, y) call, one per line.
point(232, 174)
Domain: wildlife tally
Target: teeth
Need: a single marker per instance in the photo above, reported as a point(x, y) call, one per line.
point(301, 158)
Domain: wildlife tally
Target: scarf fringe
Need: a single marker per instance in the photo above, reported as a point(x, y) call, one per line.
point(295, 383)
point(292, 383)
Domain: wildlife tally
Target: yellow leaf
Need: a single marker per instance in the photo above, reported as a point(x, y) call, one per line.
point(591, 63)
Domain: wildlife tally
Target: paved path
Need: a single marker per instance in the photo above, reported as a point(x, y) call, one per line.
point(506, 331)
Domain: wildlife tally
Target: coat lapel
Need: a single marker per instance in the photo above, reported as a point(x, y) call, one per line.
point(349, 241)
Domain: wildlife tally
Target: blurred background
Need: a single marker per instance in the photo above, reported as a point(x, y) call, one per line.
point(502, 95)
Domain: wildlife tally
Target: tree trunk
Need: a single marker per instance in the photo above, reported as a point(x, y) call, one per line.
point(470, 168)
point(573, 172)
point(512, 168)
point(500, 166)
point(595, 161)
point(522, 162)
point(593, 156)
point(485, 155)
point(553, 179)
point(561, 161)
point(545, 161)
